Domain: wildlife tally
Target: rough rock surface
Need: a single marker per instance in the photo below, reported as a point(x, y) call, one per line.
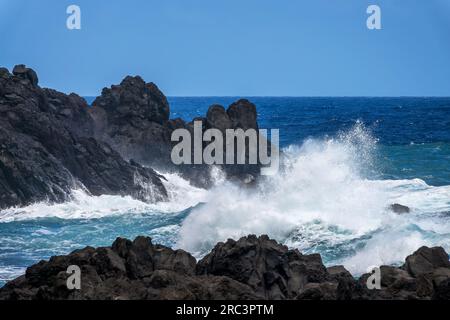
point(247, 269)
point(51, 143)
point(27, 74)
point(425, 275)
point(47, 148)
point(134, 118)
point(272, 270)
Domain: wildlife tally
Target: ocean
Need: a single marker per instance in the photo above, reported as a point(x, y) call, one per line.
point(346, 160)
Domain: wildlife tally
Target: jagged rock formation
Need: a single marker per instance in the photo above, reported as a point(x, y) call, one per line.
point(47, 148)
point(51, 143)
point(25, 73)
point(134, 118)
point(247, 269)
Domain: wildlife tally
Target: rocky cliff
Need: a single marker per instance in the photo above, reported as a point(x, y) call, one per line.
point(247, 269)
point(134, 118)
point(51, 143)
point(47, 148)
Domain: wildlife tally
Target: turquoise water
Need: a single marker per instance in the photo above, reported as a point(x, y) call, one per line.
point(346, 160)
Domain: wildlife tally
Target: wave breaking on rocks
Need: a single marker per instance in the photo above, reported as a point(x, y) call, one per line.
point(52, 143)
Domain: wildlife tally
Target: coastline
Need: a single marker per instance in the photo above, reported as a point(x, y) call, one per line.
point(53, 143)
point(251, 268)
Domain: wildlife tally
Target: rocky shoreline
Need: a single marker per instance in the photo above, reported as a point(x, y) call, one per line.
point(52, 143)
point(252, 268)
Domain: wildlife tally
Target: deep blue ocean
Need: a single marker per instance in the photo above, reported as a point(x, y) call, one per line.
point(347, 160)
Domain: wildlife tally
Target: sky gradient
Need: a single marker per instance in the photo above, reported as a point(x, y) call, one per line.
point(234, 47)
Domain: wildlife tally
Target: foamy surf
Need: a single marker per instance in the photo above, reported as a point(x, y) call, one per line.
point(325, 200)
point(84, 206)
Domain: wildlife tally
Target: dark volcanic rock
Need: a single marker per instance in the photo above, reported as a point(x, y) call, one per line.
point(51, 143)
point(239, 115)
point(134, 118)
point(426, 260)
point(400, 209)
point(127, 270)
point(243, 115)
point(425, 275)
point(25, 73)
point(47, 149)
point(272, 270)
point(217, 118)
point(247, 269)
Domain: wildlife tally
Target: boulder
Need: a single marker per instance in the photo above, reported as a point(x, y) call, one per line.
point(399, 209)
point(142, 257)
point(424, 276)
point(272, 270)
point(426, 260)
point(218, 118)
point(21, 71)
point(243, 115)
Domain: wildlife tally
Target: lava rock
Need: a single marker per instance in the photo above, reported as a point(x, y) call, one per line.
point(4, 73)
point(426, 260)
point(47, 149)
point(25, 73)
point(252, 268)
point(243, 115)
point(134, 118)
point(424, 276)
point(272, 270)
point(399, 209)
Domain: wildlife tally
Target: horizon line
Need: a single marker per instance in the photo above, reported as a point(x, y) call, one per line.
point(291, 96)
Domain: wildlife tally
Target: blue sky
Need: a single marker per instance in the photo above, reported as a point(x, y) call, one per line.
point(234, 47)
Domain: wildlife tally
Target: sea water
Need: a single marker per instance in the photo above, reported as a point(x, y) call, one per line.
point(345, 160)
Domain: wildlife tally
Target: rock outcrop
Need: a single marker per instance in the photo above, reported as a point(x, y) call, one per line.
point(247, 269)
point(51, 143)
point(270, 269)
point(47, 148)
point(134, 118)
point(27, 74)
point(399, 209)
point(425, 275)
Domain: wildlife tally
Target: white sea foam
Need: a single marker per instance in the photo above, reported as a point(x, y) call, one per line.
point(322, 201)
point(84, 206)
point(387, 248)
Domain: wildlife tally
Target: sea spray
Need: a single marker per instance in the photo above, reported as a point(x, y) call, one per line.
point(324, 200)
point(84, 206)
point(322, 180)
